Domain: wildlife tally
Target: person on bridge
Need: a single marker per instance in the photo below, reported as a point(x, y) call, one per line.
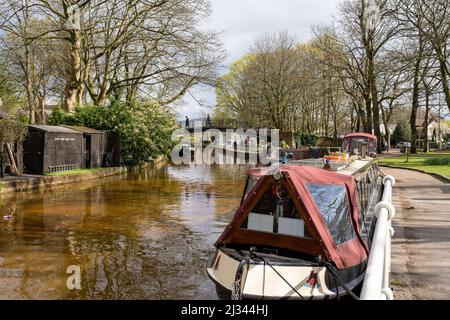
point(187, 122)
point(208, 121)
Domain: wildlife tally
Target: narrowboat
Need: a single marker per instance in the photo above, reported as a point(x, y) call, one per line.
point(301, 232)
point(360, 143)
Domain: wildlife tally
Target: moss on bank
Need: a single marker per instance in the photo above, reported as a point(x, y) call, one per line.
point(75, 172)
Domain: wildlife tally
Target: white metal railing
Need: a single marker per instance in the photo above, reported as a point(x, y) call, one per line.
point(376, 284)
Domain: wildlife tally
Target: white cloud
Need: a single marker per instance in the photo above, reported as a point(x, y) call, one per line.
point(243, 21)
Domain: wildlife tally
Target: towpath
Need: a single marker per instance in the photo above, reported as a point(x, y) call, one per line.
point(421, 244)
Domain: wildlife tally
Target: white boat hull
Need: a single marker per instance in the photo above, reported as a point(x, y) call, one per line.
point(260, 281)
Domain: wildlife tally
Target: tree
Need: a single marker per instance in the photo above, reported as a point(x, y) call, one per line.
point(10, 97)
point(368, 27)
point(286, 85)
point(116, 49)
point(402, 133)
point(431, 19)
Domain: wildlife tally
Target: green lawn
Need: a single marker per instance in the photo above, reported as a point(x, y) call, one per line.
point(73, 172)
point(417, 161)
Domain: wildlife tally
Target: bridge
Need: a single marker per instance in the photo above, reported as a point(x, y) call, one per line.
point(203, 125)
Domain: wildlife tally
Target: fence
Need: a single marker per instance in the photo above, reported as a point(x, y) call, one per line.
point(376, 284)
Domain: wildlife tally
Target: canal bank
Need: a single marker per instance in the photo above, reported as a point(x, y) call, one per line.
point(27, 183)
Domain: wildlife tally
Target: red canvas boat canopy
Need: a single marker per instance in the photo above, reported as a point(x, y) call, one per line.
point(326, 201)
point(361, 134)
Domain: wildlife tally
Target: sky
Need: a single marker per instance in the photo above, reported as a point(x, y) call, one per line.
point(241, 23)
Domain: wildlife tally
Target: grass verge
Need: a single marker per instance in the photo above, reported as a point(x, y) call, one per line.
point(417, 161)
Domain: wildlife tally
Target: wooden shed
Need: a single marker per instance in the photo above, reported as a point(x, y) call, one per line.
point(52, 149)
point(94, 146)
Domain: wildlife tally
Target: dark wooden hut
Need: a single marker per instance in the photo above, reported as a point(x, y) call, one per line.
point(94, 146)
point(50, 149)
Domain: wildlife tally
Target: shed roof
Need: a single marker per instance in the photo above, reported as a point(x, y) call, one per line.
point(83, 129)
point(55, 129)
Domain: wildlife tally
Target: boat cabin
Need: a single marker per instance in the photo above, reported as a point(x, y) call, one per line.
point(360, 143)
point(301, 209)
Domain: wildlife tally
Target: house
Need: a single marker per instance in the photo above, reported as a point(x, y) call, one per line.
point(435, 130)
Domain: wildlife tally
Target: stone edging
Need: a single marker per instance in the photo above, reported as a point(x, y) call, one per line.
point(42, 183)
point(436, 175)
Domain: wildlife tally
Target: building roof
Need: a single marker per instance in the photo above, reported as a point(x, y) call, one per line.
point(420, 118)
point(55, 129)
point(83, 129)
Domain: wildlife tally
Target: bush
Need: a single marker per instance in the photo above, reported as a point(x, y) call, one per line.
point(146, 132)
point(306, 139)
point(58, 117)
point(12, 131)
point(437, 161)
point(145, 129)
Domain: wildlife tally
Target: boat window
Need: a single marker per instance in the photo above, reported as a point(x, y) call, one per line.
point(357, 144)
point(333, 206)
point(276, 212)
point(361, 197)
point(252, 180)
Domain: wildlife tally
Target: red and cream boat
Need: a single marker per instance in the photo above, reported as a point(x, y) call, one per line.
point(301, 232)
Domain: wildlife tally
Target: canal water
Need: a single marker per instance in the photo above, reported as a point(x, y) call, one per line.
point(144, 235)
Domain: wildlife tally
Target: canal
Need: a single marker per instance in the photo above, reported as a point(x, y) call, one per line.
point(144, 235)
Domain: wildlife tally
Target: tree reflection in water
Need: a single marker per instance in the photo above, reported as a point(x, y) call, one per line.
point(145, 235)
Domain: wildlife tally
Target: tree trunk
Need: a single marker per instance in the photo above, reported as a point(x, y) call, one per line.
point(426, 146)
point(444, 82)
point(28, 75)
point(375, 106)
point(30, 96)
point(415, 100)
point(42, 103)
point(74, 84)
point(368, 125)
point(415, 107)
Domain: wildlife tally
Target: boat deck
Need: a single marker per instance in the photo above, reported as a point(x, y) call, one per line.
point(350, 168)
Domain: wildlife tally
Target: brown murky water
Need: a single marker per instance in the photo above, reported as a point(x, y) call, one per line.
point(144, 235)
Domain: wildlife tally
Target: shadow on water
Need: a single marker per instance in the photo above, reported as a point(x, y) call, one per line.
point(145, 235)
